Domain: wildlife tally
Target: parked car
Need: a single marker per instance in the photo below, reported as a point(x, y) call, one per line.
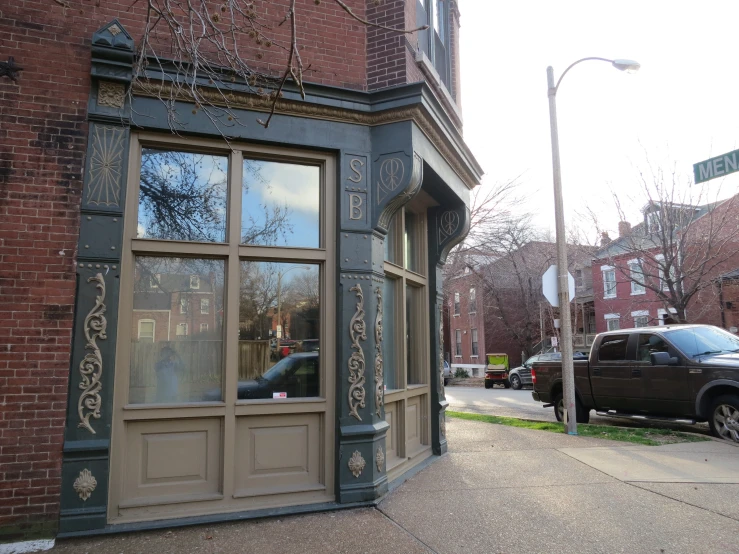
point(447, 373)
point(685, 373)
point(520, 376)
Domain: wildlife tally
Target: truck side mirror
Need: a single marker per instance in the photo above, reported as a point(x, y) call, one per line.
point(663, 358)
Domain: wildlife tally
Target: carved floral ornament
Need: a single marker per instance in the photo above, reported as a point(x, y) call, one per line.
point(441, 350)
point(85, 484)
point(380, 459)
point(91, 366)
point(357, 463)
point(356, 363)
point(379, 370)
point(111, 94)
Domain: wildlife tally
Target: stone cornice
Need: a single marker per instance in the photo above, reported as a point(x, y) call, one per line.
point(417, 113)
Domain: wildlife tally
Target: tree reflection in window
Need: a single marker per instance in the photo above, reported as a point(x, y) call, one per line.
point(182, 196)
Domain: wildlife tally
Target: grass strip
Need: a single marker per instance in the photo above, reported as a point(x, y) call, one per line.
point(647, 437)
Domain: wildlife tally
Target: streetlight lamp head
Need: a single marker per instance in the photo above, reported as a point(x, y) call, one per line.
point(629, 66)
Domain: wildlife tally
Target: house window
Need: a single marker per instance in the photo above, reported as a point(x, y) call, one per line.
point(205, 305)
point(473, 301)
point(146, 330)
point(458, 343)
point(613, 321)
point(609, 283)
point(182, 329)
point(636, 275)
point(578, 278)
point(456, 303)
point(474, 342)
point(641, 321)
point(194, 282)
point(434, 42)
point(184, 303)
point(203, 327)
point(654, 221)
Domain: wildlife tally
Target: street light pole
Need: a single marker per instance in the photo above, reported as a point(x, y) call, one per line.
point(568, 371)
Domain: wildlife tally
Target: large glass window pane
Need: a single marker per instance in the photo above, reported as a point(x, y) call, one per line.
point(412, 237)
point(414, 334)
point(182, 196)
point(176, 351)
point(280, 204)
point(389, 330)
point(279, 330)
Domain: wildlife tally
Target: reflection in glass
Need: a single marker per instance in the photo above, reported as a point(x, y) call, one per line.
point(388, 332)
point(411, 332)
point(411, 241)
point(279, 330)
point(182, 196)
point(391, 254)
point(280, 204)
point(176, 350)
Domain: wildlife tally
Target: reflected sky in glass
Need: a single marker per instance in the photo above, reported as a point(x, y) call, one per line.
point(280, 204)
point(182, 196)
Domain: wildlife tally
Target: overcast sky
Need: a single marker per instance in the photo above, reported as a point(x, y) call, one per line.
point(682, 107)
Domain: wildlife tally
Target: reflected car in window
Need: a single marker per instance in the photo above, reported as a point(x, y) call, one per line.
point(295, 376)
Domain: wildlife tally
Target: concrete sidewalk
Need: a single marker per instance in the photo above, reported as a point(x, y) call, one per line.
point(505, 490)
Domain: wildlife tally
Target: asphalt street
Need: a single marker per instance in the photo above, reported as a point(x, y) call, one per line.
point(520, 404)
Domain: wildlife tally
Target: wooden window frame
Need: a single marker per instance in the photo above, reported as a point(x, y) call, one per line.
point(229, 409)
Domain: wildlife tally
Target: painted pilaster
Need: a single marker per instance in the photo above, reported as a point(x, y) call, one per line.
point(447, 227)
point(372, 187)
point(84, 494)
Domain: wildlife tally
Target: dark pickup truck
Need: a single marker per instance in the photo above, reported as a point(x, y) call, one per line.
point(682, 373)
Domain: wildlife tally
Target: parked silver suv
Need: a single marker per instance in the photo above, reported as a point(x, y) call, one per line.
point(521, 375)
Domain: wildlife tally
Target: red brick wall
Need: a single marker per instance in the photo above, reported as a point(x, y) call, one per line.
point(465, 321)
point(386, 60)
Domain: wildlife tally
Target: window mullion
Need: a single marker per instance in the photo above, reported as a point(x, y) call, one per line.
point(231, 319)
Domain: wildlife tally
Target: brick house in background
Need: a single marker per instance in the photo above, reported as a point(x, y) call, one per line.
point(465, 338)
point(622, 266)
point(91, 437)
point(510, 314)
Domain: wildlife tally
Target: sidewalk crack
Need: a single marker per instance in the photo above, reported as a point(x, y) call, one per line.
point(405, 530)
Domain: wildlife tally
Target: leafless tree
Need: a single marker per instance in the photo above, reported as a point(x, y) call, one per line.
point(684, 241)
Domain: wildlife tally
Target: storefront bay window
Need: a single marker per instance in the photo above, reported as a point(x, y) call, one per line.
point(226, 399)
point(405, 337)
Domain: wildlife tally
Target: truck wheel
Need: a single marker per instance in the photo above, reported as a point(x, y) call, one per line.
point(487, 384)
point(724, 419)
point(506, 385)
point(581, 414)
point(559, 407)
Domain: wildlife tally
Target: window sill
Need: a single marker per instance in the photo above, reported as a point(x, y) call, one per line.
point(455, 315)
point(638, 293)
point(610, 297)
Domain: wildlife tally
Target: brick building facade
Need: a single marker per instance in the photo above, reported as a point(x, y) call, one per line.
point(381, 125)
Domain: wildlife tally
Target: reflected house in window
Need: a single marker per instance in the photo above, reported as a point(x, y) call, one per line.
point(174, 309)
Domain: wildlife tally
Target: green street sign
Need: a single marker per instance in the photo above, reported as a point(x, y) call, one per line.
point(716, 167)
